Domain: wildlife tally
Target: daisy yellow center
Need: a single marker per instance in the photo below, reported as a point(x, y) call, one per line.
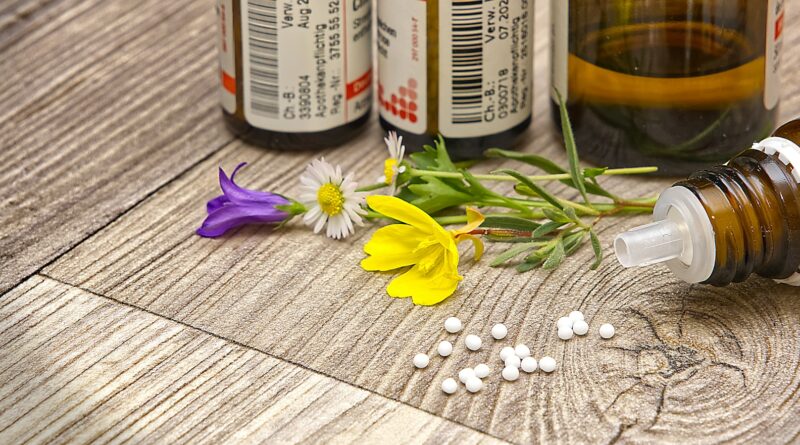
point(330, 199)
point(389, 169)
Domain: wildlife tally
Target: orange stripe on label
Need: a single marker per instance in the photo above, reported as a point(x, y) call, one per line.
point(228, 82)
point(359, 85)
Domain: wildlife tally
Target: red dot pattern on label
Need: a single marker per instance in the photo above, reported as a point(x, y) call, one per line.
point(402, 103)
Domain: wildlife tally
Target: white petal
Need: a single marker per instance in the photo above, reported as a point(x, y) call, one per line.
point(312, 214)
point(320, 223)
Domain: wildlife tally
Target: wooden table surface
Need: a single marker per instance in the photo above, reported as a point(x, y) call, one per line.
point(119, 324)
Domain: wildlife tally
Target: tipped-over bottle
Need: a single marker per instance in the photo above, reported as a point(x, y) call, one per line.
point(725, 223)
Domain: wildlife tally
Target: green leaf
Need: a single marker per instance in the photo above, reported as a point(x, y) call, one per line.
point(546, 229)
point(573, 242)
point(545, 164)
point(510, 222)
point(511, 253)
point(556, 257)
point(598, 250)
point(508, 239)
point(556, 216)
point(594, 172)
point(542, 193)
point(527, 266)
point(570, 212)
point(572, 150)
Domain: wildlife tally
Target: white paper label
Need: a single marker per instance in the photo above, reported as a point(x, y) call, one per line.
point(403, 64)
point(559, 45)
point(227, 56)
point(772, 80)
point(306, 63)
point(485, 65)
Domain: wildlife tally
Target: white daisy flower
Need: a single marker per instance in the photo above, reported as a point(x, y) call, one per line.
point(330, 198)
point(392, 166)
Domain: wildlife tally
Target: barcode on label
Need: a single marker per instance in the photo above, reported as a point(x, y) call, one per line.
point(467, 60)
point(262, 25)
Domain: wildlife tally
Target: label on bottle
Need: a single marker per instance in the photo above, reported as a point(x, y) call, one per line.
point(403, 62)
point(772, 80)
point(227, 56)
point(559, 45)
point(485, 66)
point(306, 64)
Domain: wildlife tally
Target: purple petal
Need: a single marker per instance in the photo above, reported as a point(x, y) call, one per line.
point(216, 203)
point(241, 195)
point(230, 216)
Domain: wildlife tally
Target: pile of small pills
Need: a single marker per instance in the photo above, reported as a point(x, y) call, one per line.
point(575, 324)
point(514, 358)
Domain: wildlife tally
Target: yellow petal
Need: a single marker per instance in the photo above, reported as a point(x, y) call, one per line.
point(402, 211)
point(474, 220)
point(427, 289)
point(476, 243)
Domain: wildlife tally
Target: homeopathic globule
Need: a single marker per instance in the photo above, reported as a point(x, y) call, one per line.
point(723, 224)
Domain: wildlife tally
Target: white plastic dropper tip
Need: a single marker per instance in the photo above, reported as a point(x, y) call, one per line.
point(650, 244)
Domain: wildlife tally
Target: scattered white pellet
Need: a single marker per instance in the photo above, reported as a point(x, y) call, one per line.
point(421, 360)
point(449, 386)
point(466, 374)
point(564, 333)
point(507, 352)
point(522, 351)
point(606, 331)
point(510, 373)
point(445, 348)
point(564, 322)
point(547, 364)
point(473, 342)
point(452, 325)
point(575, 316)
point(513, 362)
point(474, 384)
point(529, 364)
point(499, 331)
point(580, 327)
point(482, 371)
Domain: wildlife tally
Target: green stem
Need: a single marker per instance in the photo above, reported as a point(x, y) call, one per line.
point(369, 188)
point(558, 177)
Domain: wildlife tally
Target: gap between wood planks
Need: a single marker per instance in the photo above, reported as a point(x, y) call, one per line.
point(251, 348)
point(136, 204)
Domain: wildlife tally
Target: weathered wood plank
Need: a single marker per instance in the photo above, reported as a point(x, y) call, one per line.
point(77, 368)
point(684, 360)
point(98, 113)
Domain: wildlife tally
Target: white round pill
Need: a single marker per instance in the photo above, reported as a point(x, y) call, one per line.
point(513, 362)
point(421, 360)
point(565, 334)
point(547, 364)
point(510, 373)
point(445, 348)
point(580, 327)
point(507, 352)
point(575, 316)
point(466, 374)
point(499, 331)
point(450, 386)
point(452, 325)
point(564, 322)
point(482, 371)
point(522, 351)
point(473, 342)
point(474, 384)
point(529, 364)
point(606, 331)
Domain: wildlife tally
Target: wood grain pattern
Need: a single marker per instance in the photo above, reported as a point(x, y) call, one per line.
point(689, 363)
point(77, 368)
point(109, 118)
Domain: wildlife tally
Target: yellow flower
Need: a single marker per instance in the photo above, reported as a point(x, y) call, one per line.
point(422, 244)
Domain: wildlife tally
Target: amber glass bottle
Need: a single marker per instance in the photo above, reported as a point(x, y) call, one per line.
point(295, 74)
point(680, 84)
point(727, 222)
point(459, 68)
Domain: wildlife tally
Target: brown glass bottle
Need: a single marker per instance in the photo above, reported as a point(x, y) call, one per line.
point(459, 68)
point(680, 84)
point(734, 220)
point(295, 75)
